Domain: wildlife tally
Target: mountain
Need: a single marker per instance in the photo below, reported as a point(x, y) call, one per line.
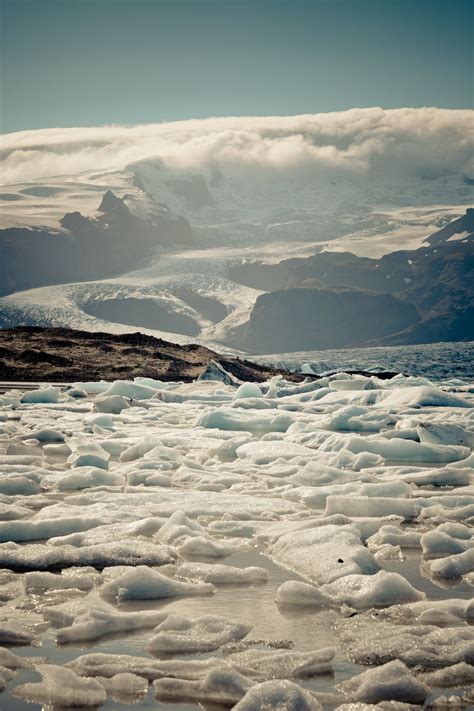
point(308, 319)
point(82, 248)
point(462, 228)
point(184, 251)
point(417, 296)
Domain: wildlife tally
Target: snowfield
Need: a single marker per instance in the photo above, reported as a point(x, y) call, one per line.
point(283, 546)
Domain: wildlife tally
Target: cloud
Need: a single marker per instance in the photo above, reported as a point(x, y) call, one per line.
point(425, 141)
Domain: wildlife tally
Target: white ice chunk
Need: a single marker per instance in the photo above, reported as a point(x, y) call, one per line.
point(106, 422)
point(111, 404)
point(128, 552)
point(86, 453)
point(61, 687)
point(179, 527)
point(93, 387)
point(355, 418)
point(45, 435)
point(318, 497)
point(439, 610)
point(138, 450)
point(205, 547)
point(44, 528)
point(293, 592)
point(399, 450)
point(379, 590)
point(370, 641)
point(124, 687)
point(12, 661)
point(423, 396)
point(367, 506)
point(17, 637)
point(445, 433)
point(108, 665)
point(282, 664)
point(264, 452)
point(222, 686)
point(180, 634)
point(456, 675)
point(453, 566)
point(84, 620)
point(325, 553)
point(278, 695)
point(223, 419)
point(247, 390)
point(18, 486)
point(390, 682)
point(393, 536)
point(86, 477)
point(222, 574)
point(437, 544)
point(36, 582)
point(131, 390)
point(356, 591)
point(144, 583)
point(45, 395)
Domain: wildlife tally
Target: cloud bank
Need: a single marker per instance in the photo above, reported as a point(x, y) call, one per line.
point(425, 141)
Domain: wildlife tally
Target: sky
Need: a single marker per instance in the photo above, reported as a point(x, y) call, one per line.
point(68, 63)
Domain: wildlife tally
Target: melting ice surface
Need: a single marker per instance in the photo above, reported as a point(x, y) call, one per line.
point(273, 546)
point(437, 361)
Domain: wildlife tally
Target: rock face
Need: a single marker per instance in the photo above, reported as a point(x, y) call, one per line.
point(305, 319)
point(432, 291)
point(86, 248)
point(463, 226)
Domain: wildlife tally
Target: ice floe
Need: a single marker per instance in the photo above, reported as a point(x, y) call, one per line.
point(181, 634)
point(62, 687)
point(144, 583)
point(278, 696)
point(390, 682)
point(219, 523)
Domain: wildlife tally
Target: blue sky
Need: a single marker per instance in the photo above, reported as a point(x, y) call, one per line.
point(92, 62)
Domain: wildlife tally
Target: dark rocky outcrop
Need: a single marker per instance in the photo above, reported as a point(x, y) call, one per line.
point(61, 355)
point(464, 224)
point(307, 319)
point(86, 248)
point(34, 354)
point(142, 313)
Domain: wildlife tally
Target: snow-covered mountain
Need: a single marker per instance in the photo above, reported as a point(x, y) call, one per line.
point(149, 229)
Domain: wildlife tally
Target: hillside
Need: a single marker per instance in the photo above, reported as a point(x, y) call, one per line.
point(405, 297)
point(64, 355)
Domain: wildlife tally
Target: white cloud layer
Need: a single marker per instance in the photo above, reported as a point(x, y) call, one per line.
point(426, 141)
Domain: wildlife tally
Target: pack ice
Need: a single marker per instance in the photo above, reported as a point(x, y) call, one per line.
point(276, 545)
